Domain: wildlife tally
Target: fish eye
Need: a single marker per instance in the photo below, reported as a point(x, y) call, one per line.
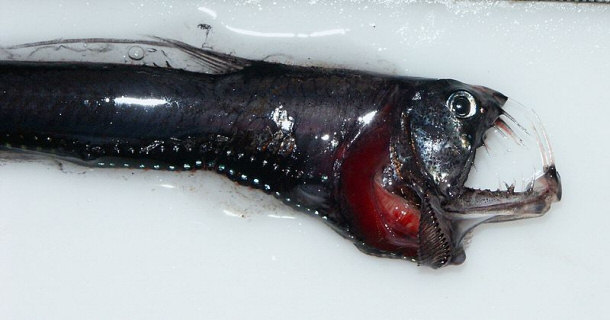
point(462, 103)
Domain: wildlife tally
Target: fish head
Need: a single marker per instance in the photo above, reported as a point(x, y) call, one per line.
point(404, 180)
point(443, 124)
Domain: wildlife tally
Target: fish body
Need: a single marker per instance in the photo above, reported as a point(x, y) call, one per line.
point(272, 127)
point(377, 157)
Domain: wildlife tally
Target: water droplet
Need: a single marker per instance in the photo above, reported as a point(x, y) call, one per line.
point(136, 53)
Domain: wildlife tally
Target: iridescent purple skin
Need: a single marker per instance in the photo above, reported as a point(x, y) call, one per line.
point(377, 157)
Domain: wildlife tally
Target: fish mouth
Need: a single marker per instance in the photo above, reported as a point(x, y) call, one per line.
point(517, 157)
point(397, 213)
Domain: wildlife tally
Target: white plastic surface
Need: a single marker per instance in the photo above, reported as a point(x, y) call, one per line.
point(121, 244)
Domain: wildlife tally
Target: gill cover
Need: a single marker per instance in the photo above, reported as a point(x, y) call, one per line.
point(447, 123)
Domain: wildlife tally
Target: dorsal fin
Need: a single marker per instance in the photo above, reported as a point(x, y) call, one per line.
point(221, 63)
point(159, 52)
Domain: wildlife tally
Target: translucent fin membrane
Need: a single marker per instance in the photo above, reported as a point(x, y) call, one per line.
point(516, 151)
point(154, 52)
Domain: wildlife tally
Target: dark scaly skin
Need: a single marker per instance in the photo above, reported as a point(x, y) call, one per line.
point(217, 122)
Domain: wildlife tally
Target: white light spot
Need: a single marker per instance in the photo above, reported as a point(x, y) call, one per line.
point(366, 119)
point(150, 102)
point(231, 214)
point(330, 32)
point(261, 34)
point(281, 119)
point(323, 33)
point(208, 11)
point(280, 216)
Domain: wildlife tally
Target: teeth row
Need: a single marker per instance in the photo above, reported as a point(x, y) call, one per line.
point(514, 149)
point(537, 128)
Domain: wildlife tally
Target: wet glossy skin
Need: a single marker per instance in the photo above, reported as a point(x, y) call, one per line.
point(376, 157)
point(408, 163)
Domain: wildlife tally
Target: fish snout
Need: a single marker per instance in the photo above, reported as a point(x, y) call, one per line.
point(494, 97)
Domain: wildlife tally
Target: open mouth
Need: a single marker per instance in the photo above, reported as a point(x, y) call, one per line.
point(513, 177)
point(401, 216)
point(516, 150)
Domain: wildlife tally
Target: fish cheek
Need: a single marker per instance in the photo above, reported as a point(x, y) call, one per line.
point(445, 150)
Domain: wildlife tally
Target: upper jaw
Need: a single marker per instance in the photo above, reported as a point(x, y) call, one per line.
point(519, 131)
point(529, 144)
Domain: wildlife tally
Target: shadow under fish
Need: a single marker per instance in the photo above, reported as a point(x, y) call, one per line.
point(382, 159)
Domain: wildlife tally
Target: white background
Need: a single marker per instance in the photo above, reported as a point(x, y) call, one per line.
point(122, 244)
